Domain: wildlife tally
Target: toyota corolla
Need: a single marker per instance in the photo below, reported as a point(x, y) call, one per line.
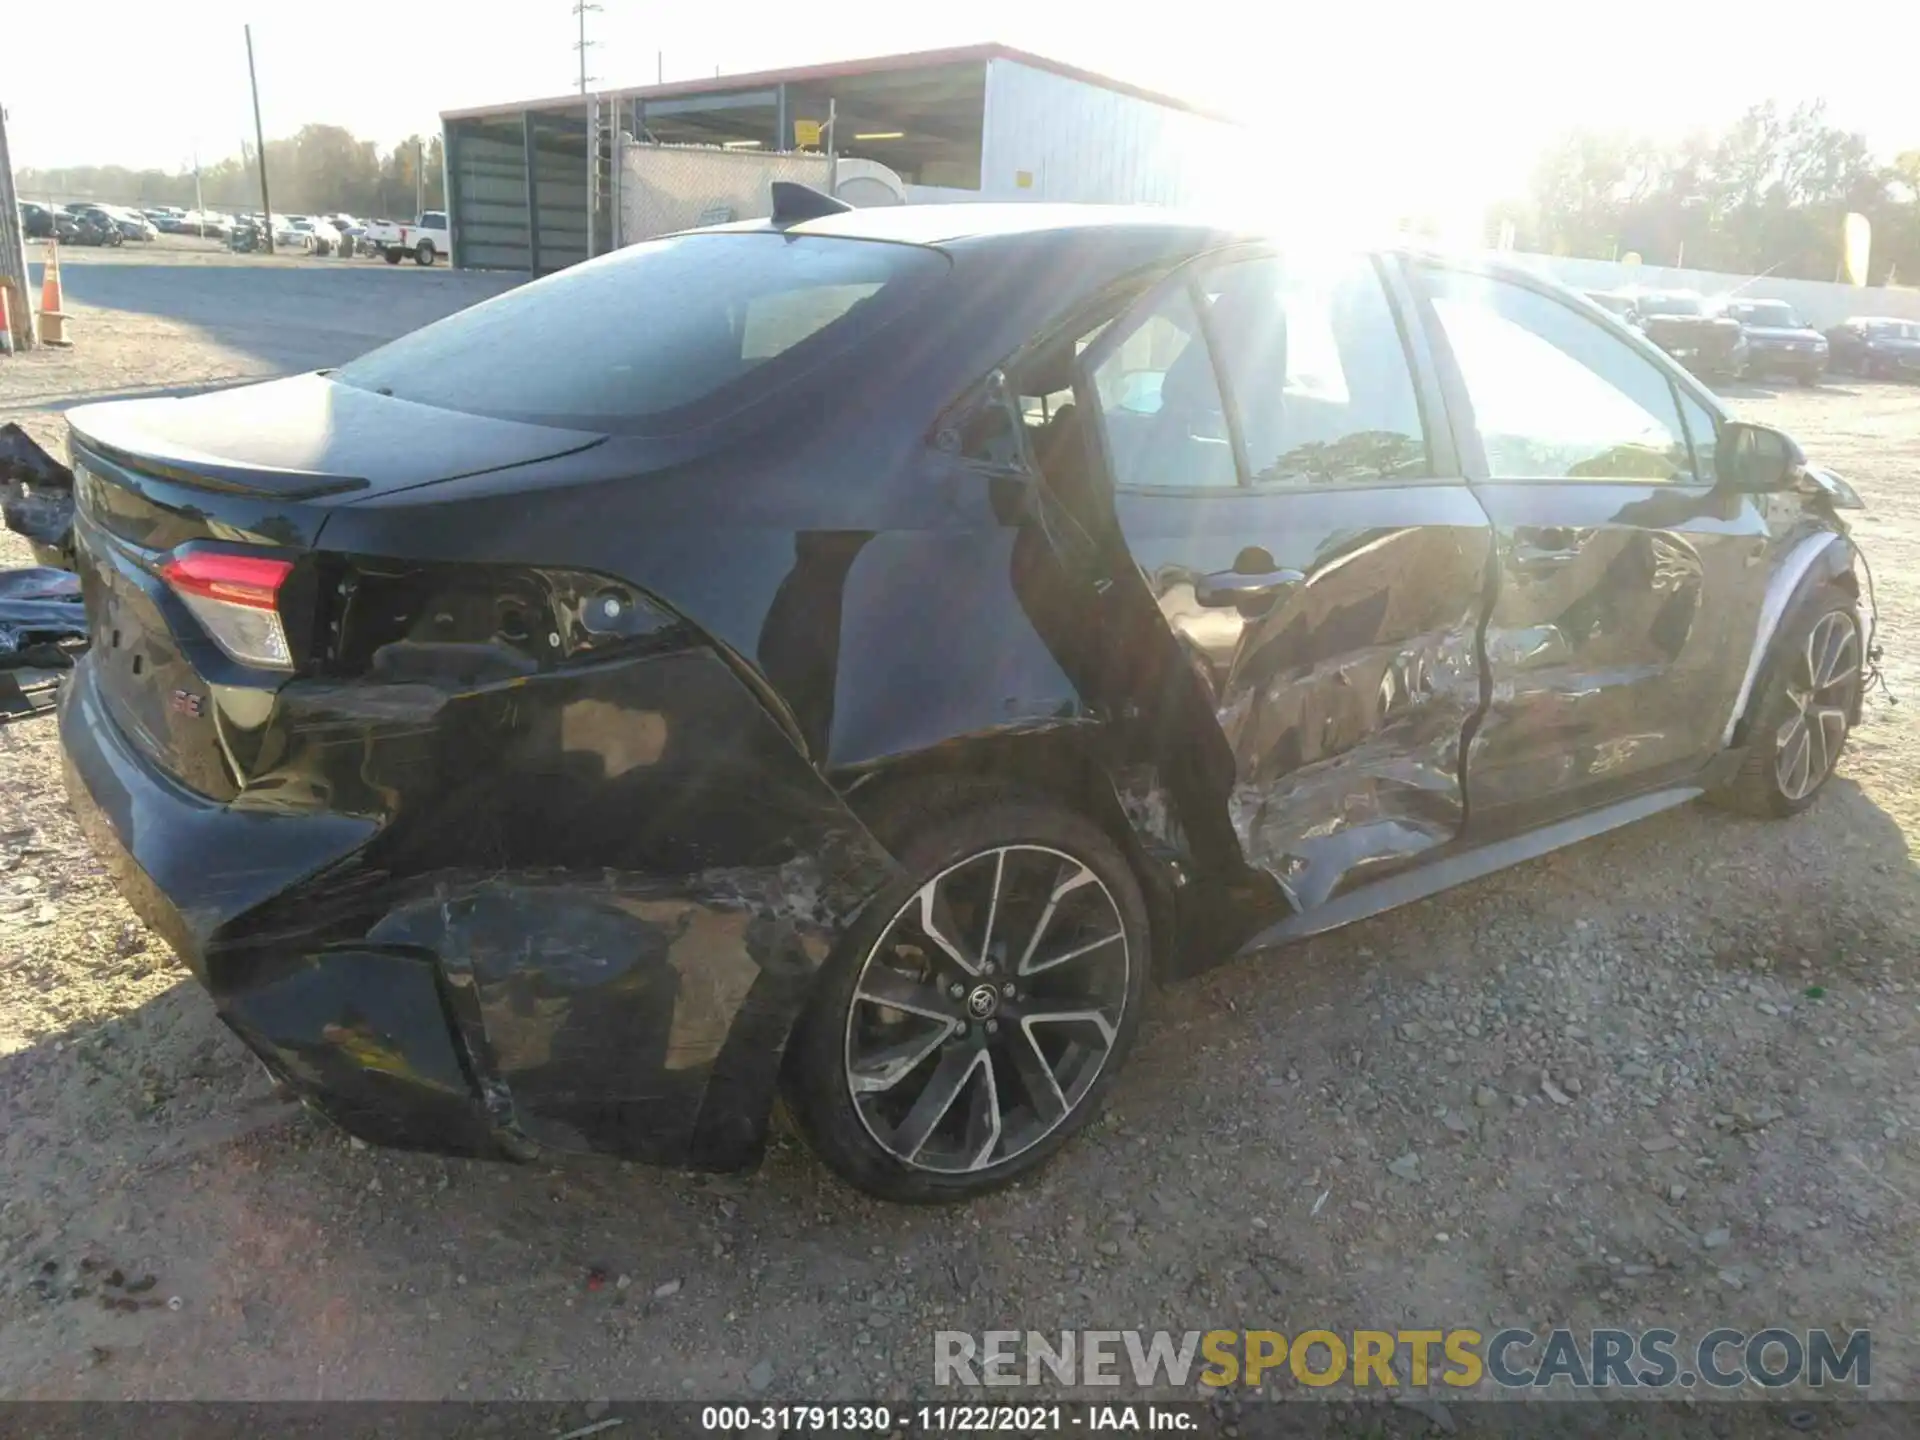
point(846, 657)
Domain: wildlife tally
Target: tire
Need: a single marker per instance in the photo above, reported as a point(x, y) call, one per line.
point(423, 253)
point(988, 858)
point(1820, 638)
point(391, 255)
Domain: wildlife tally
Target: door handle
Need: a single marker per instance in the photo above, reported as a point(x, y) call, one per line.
point(1232, 587)
point(1536, 560)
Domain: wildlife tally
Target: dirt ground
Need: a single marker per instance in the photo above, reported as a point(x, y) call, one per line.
point(1727, 1009)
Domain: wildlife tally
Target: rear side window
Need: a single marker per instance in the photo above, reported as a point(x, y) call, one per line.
point(658, 336)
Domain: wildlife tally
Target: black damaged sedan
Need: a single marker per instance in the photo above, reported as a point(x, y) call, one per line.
point(845, 658)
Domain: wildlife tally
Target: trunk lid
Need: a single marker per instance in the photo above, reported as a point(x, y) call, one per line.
point(305, 438)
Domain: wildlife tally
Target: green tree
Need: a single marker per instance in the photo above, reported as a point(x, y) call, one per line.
point(1767, 194)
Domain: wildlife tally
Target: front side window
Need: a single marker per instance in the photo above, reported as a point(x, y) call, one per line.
point(1161, 414)
point(1316, 370)
point(1555, 395)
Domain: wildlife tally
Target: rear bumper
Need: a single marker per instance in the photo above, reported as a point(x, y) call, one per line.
point(362, 1034)
point(474, 1011)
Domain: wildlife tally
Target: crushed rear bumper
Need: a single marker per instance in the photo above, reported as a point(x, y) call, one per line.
point(477, 1011)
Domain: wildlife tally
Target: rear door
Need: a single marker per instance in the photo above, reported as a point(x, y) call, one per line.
point(1299, 522)
point(1629, 584)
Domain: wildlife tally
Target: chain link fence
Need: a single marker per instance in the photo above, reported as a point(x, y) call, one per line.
point(663, 188)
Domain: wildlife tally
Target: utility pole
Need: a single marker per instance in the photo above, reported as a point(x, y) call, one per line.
point(260, 142)
point(419, 178)
point(581, 8)
point(13, 247)
point(199, 201)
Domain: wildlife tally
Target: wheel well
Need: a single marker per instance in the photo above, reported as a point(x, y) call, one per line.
point(1812, 585)
point(1058, 767)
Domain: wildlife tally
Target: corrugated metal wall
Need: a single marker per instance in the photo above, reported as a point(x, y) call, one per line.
point(1050, 137)
point(487, 176)
point(500, 220)
point(560, 191)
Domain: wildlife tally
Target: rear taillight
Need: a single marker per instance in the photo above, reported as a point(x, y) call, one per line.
point(237, 599)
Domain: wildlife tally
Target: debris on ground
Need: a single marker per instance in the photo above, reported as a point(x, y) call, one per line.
point(43, 629)
point(36, 497)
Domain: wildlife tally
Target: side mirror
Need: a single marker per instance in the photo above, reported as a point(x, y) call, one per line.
point(1756, 459)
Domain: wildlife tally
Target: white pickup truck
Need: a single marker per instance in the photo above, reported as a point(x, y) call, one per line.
point(425, 239)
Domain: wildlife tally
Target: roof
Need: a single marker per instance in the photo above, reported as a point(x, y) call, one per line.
point(802, 74)
point(968, 220)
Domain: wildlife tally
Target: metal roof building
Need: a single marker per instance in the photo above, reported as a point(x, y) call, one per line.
point(981, 122)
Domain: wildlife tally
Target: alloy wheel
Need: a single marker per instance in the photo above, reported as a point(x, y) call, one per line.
point(1807, 744)
point(986, 1010)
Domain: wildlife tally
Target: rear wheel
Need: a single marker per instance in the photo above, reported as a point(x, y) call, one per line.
point(392, 256)
point(973, 1019)
point(1811, 691)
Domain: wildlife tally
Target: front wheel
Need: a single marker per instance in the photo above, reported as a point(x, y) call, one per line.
point(974, 1017)
point(1808, 696)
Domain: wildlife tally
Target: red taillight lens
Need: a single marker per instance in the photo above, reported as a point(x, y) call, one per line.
point(236, 597)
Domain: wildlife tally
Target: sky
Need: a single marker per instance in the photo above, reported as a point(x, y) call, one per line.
point(1387, 108)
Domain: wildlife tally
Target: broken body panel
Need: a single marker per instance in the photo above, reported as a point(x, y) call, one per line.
point(543, 837)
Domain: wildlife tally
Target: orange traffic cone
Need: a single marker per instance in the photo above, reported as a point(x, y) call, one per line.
point(6, 326)
point(53, 321)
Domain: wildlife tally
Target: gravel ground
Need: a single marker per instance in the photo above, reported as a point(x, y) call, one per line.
point(1666, 1077)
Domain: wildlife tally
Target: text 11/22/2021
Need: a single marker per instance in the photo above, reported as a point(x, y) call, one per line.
point(944, 1419)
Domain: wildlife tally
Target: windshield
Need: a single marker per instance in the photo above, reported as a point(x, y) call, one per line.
point(1774, 314)
point(657, 337)
point(1670, 305)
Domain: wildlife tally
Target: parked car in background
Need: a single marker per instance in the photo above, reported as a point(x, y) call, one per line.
point(93, 226)
point(1684, 325)
point(1779, 342)
point(305, 232)
point(1876, 347)
point(425, 240)
point(1617, 302)
point(130, 224)
point(350, 230)
point(842, 658)
point(36, 221)
point(244, 235)
point(133, 225)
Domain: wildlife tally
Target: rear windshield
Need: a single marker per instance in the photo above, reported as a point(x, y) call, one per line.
point(1776, 314)
point(658, 336)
